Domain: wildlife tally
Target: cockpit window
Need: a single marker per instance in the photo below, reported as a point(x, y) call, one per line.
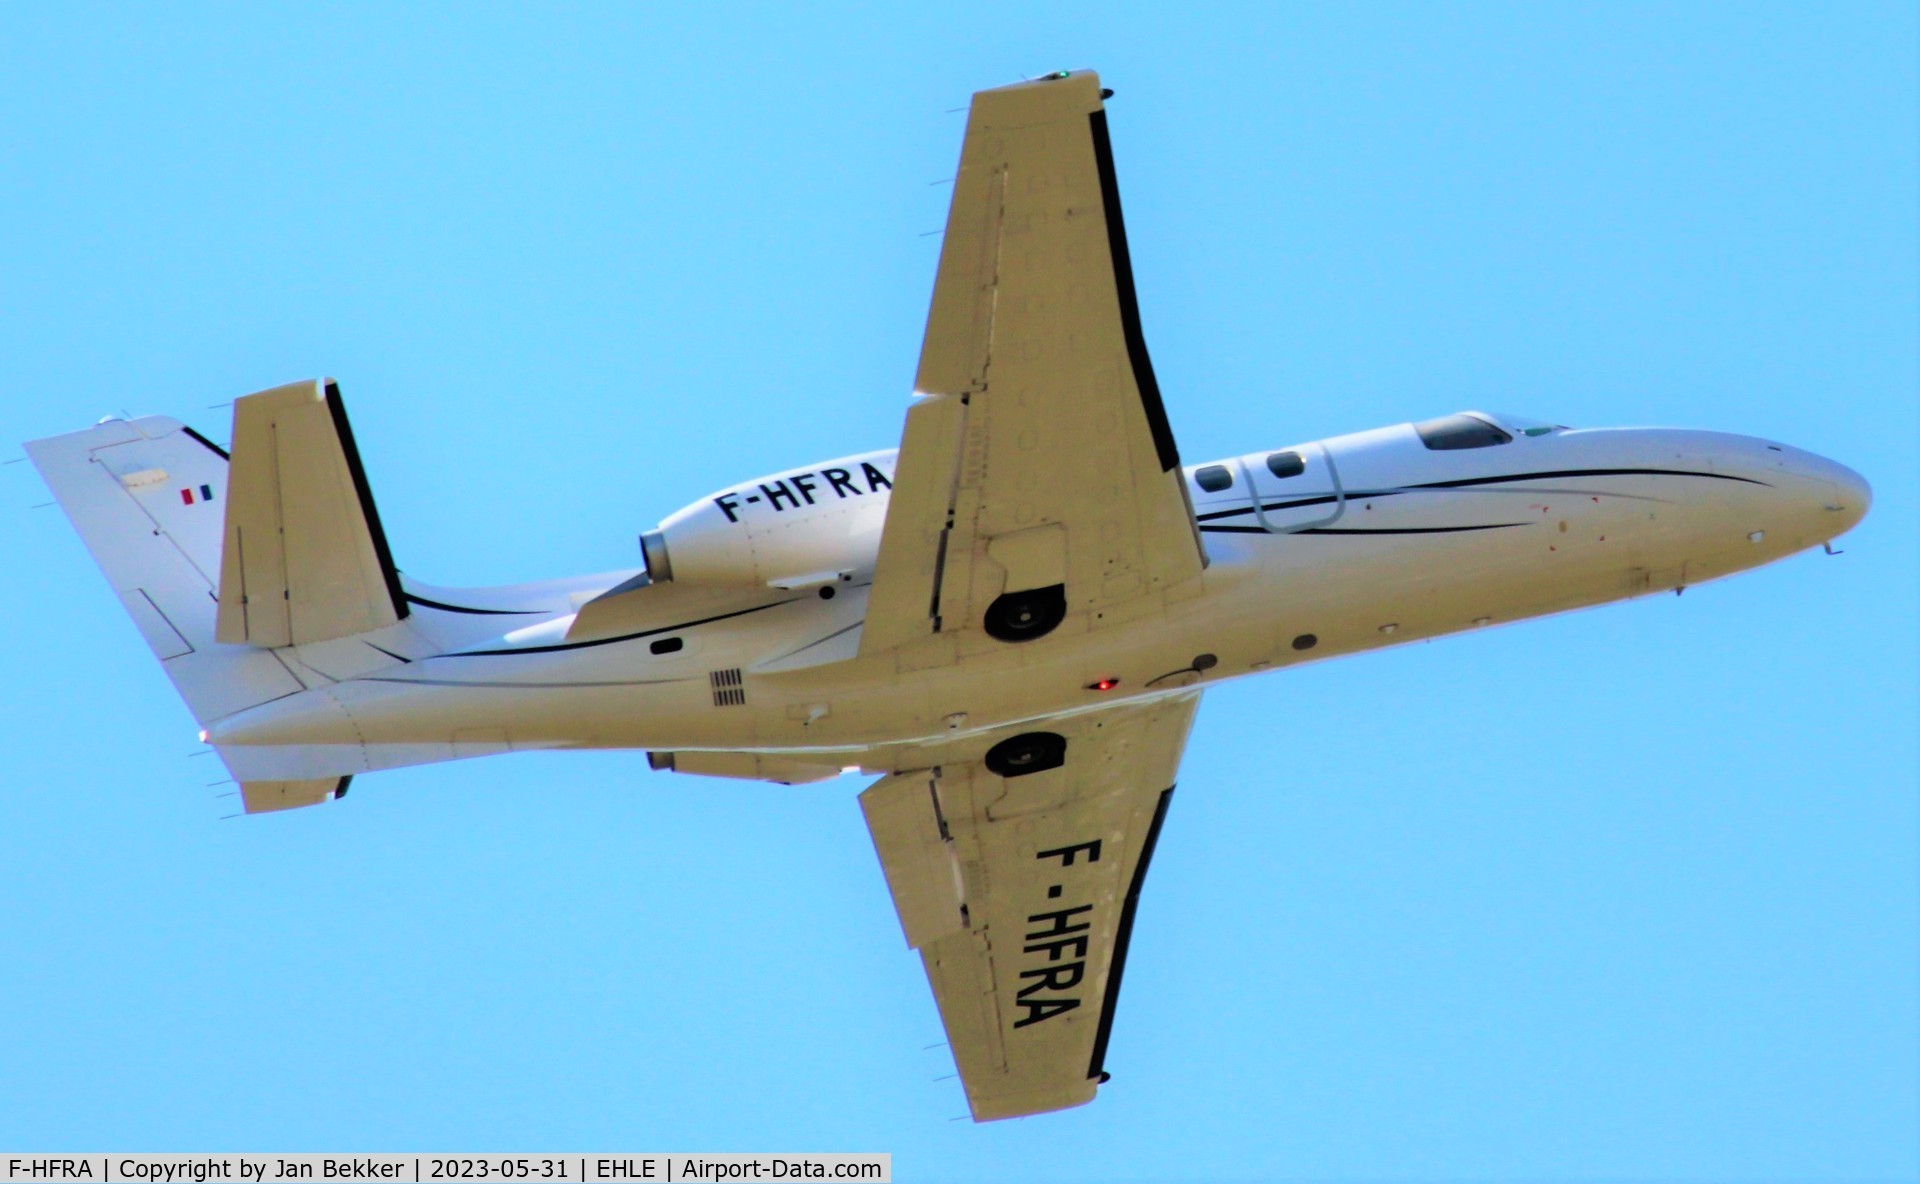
point(1213, 478)
point(1286, 464)
point(1452, 432)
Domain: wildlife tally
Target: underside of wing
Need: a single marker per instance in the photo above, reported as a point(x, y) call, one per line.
point(1038, 484)
point(1016, 869)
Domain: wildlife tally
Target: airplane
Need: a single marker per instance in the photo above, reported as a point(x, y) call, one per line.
point(1011, 618)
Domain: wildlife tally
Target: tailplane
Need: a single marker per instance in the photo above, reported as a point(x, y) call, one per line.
point(148, 498)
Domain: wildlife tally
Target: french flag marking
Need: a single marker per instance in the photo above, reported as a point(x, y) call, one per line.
point(187, 499)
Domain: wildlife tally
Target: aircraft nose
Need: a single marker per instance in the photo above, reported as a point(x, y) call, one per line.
point(1826, 496)
point(1852, 496)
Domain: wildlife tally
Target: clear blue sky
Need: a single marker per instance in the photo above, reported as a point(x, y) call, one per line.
point(1630, 893)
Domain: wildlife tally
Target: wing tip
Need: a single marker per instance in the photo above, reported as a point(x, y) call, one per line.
point(1029, 1103)
point(1085, 81)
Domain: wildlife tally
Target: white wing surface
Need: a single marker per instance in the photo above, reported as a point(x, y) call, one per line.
point(1038, 482)
point(1016, 868)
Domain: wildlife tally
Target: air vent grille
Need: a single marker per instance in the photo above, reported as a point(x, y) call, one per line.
point(728, 688)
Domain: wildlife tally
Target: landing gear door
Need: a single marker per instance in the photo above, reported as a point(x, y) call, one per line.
point(1293, 490)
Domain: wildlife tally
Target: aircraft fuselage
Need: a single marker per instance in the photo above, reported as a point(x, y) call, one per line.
point(1315, 551)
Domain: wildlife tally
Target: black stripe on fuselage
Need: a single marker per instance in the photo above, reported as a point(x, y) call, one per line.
point(1123, 934)
point(581, 645)
point(1129, 301)
point(1552, 473)
point(1296, 503)
point(1465, 482)
point(1361, 530)
point(481, 612)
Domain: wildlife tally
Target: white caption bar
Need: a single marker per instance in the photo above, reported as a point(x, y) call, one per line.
point(437, 1169)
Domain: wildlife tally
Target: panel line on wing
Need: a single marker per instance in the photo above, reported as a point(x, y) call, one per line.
point(953, 506)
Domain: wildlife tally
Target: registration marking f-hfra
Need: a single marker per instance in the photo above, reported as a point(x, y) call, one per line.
point(1055, 933)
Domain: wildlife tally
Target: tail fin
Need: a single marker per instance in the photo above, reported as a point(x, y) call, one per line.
point(148, 498)
point(304, 558)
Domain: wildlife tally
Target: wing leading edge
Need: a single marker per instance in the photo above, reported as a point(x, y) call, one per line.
point(1016, 870)
point(1038, 458)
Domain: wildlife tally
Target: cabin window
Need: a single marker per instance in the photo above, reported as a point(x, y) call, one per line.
point(667, 645)
point(1214, 478)
point(1452, 432)
point(1286, 464)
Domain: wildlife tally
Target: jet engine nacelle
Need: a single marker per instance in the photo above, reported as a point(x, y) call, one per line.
point(804, 527)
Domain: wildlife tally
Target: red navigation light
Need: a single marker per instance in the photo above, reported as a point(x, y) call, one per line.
point(1105, 684)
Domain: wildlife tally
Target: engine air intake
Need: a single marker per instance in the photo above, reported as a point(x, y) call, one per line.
point(1025, 616)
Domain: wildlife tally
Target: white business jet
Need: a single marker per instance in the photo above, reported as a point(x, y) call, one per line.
point(1011, 618)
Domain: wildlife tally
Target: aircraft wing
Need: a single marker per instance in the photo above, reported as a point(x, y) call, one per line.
point(1037, 458)
point(1018, 885)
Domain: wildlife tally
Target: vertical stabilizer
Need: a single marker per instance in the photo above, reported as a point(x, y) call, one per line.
point(304, 559)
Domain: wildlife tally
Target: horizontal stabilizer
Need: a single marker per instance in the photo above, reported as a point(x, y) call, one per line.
point(147, 498)
point(304, 558)
point(264, 796)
